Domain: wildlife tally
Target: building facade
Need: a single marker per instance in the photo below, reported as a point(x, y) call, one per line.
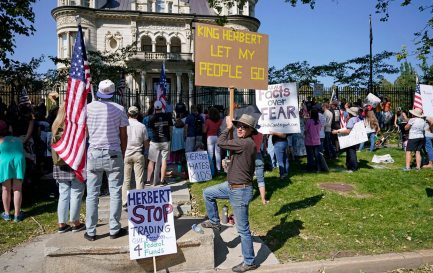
point(162, 30)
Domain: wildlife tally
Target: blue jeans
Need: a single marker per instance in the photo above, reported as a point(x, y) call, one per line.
point(239, 200)
point(371, 137)
point(429, 147)
point(70, 195)
point(271, 153)
point(98, 161)
point(280, 149)
point(260, 170)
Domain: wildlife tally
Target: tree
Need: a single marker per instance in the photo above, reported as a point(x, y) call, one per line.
point(407, 76)
point(16, 17)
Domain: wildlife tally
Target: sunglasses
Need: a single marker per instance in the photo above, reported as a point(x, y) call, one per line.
point(242, 126)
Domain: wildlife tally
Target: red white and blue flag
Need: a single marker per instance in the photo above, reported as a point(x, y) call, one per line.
point(161, 93)
point(72, 145)
point(417, 99)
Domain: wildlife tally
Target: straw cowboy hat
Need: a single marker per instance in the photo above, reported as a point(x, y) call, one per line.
point(353, 111)
point(417, 112)
point(247, 120)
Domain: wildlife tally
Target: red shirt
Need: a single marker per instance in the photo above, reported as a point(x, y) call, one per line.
point(258, 139)
point(212, 127)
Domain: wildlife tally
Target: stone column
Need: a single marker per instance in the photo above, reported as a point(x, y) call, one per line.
point(153, 5)
point(143, 81)
point(190, 88)
point(179, 85)
point(153, 46)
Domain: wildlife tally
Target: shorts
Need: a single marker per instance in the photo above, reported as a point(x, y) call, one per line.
point(156, 147)
point(415, 145)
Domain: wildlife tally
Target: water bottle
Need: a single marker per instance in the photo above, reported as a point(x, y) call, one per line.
point(225, 216)
point(197, 228)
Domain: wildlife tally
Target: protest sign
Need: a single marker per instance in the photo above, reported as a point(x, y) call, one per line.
point(357, 135)
point(151, 223)
point(318, 90)
point(427, 99)
point(279, 108)
point(227, 57)
point(372, 100)
point(198, 166)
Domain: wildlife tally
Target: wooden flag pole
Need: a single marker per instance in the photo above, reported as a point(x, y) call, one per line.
point(232, 106)
point(154, 264)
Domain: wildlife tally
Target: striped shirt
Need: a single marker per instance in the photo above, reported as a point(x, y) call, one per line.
point(104, 118)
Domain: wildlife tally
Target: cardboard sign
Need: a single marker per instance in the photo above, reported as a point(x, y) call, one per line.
point(151, 223)
point(318, 90)
point(198, 166)
point(227, 57)
point(371, 100)
point(427, 99)
point(357, 135)
point(279, 109)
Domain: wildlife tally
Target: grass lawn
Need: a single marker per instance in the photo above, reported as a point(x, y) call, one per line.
point(388, 210)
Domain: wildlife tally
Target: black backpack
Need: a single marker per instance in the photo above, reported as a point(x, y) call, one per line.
point(198, 125)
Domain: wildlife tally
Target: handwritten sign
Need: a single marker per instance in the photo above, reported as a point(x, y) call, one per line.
point(372, 100)
point(279, 108)
point(198, 166)
point(357, 135)
point(427, 99)
point(151, 223)
point(227, 57)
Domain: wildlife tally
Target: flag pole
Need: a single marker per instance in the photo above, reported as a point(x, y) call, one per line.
point(371, 60)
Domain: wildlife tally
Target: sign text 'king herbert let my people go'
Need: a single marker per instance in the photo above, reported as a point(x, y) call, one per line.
point(227, 57)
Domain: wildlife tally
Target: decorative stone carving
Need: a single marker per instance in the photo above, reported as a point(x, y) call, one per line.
point(70, 20)
point(113, 41)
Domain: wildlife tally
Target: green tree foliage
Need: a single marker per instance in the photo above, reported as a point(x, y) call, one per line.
point(384, 84)
point(16, 17)
point(407, 76)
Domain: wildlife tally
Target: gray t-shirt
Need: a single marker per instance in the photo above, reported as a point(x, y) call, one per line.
point(417, 128)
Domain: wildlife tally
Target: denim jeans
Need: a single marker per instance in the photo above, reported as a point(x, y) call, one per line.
point(191, 142)
point(351, 159)
point(271, 152)
point(70, 195)
point(313, 157)
point(280, 149)
point(98, 161)
point(371, 137)
point(213, 147)
point(133, 162)
point(260, 170)
point(239, 200)
point(429, 147)
point(329, 147)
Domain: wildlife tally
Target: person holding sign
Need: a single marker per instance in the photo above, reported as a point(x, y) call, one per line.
point(238, 187)
point(351, 159)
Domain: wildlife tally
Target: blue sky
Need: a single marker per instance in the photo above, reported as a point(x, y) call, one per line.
point(336, 30)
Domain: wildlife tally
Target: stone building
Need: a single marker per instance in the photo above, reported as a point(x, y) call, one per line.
point(162, 29)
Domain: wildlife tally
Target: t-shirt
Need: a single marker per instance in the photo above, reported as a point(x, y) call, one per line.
point(137, 134)
point(193, 121)
point(104, 119)
point(160, 124)
point(212, 127)
point(351, 122)
point(328, 122)
point(417, 128)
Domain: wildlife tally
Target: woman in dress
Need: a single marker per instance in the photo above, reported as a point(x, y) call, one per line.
point(71, 190)
point(12, 170)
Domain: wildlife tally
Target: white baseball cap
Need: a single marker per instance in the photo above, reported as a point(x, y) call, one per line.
point(106, 89)
point(157, 105)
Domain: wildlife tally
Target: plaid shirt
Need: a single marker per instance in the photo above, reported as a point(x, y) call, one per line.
point(63, 172)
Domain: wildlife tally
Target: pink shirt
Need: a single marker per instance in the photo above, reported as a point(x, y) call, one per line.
point(312, 133)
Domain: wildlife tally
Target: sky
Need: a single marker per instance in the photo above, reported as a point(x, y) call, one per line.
point(335, 30)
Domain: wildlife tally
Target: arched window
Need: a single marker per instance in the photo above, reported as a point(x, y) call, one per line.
point(175, 45)
point(146, 44)
point(161, 45)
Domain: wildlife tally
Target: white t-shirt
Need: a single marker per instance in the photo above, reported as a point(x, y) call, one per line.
point(417, 129)
point(137, 134)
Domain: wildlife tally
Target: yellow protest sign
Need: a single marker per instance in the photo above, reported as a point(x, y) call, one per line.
point(227, 57)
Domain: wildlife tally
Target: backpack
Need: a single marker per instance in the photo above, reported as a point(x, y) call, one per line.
point(335, 125)
point(198, 125)
point(56, 158)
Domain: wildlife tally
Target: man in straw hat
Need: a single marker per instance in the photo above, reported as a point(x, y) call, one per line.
point(238, 187)
point(416, 127)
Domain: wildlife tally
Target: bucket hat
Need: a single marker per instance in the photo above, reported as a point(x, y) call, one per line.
point(106, 89)
point(417, 112)
point(247, 120)
point(353, 111)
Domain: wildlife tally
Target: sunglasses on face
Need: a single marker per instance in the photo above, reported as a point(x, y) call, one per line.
point(241, 126)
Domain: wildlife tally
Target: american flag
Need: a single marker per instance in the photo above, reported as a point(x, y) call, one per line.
point(161, 93)
point(417, 100)
point(72, 145)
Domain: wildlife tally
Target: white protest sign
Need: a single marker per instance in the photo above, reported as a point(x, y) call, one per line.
point(427, 99)
point(198, 166)
point(279, 108)
point(372, 100)
point(151, 223)
point(318, 90)
point(357, 135)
